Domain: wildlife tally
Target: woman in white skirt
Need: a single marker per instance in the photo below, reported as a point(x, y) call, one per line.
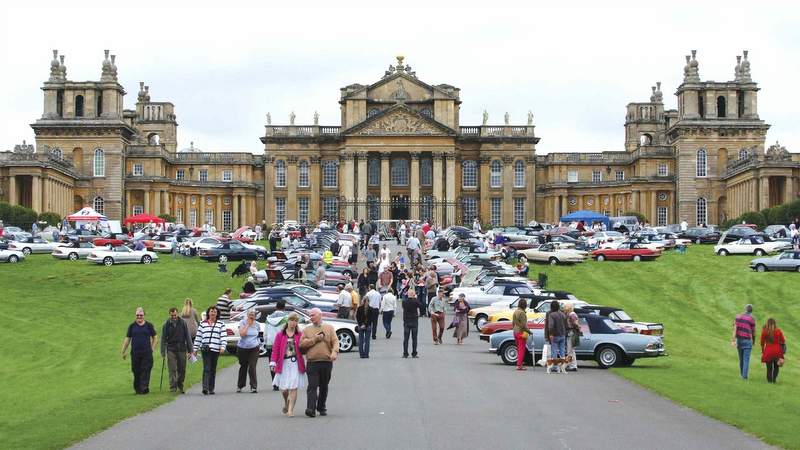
point(288, 364)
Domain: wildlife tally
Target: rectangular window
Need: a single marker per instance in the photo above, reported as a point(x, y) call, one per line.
point(330, 208)
point(426, 171)
point(192, 217)
point(227, 176)
point(620, 175)
point(469, 210)
point(280, 209)
point(597, 176)
point(302, 209)
point(662, 170)
point(138, 170)
point(209, 219)
point(227, 219)
point(137, 209)
point(519, 212)
point(619, 212)
point(373, 207)
point(496, 211)
point(426, 208)
point(572, 176)
point(203, 175)
point(661, 216)
point(179, 215)
point(606, 212)
point(179, 174)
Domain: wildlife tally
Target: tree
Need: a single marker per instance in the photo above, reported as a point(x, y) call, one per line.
point(639, 216)
point(17, 215)
point(50, 218)
point(167, 218)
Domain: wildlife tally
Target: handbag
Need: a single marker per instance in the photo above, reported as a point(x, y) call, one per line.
point(576, 339)
point(780, 362)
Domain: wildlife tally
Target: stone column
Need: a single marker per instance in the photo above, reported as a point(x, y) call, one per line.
point(753, 195)
point(635, 199)
point(165, 203)
point(346, 176)
point(269, 171)
point(654, 208)
point(291, 189)
point(315, 202)
point(201, 210)
point(218, 211)
point(385, 185)
point(763, 193)
point(128, 206)
point(530, 188)
point(507, 217)
point(146, 194)
point(12, 190)
point(564, 207)
point(438, 182)
point(157, 203)
point(243, 219)
point(361, 185)
point(450, 188)
point(414, 211)
point(235, 201)
point(788, 194)
point(36, 193)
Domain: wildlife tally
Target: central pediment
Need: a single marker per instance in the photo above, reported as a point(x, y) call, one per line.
point(399, 121)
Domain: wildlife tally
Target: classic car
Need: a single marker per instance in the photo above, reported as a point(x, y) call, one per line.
point(82, 235)
point(480, 316)
point(121, 255)
point(642, 241)
point(323, 300)
point(531, 242)
point(536, 313)
point(553, 255)
point(737, 232)
point(700, 235)
point(496, 291)
point(674, 237)
point(11, 256)
point(626, 252)
point(602, 237)
point(164, 245)
point(271, 298)
point(74, 251)
point(33, 245)
point(751, 245)
point(602, 340)
point(230, 251)
point(785, 261)
point(111, 240)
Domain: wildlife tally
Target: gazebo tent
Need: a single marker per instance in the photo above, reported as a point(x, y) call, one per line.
point(86, 214)
point(142, 218)
point(586, 216)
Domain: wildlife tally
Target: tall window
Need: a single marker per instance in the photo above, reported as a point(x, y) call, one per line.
point(572, 176)
point(330, 174)
point(496, 211)
point(620, 175)
point(179, 174)
point(662, 170)
point(138, 170)
point(519, 212)
point(227, 176)
point(469, 210)
point(519, 174)
point(374, 171)
point(740, 103)
point(702, 163)
point(78, 106)
point(302, 174)
point(495, 174)
point(280, 209)
point(192, 217)
point(597, 176)
point(702, 213)
point(373, 208)
point(138, 209)
point(280, 173)
point(178, 215)
point(701, 104)
point(203, 175)
point(720, 106)
point(99, 163)
point(209, 219)
point(744, 154)
point(227, 219)
point(99, 108)
point(661, 216)
point(330, 208)
point(425, 207)
point(302, 209)
point(399, 172)
point(99, 205)
point(469, 175)
point(425, 171)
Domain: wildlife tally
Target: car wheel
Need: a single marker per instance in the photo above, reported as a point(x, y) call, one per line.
point(761, 268)
point(601, 258)
point(607, 356)
point(722, 252)
point(508, 353)
point(223, 258)
point(109, 261)
point(146, 259)
point(260, 256)
point(697, 241)
point(480, 321)
point(73, 256)
point(760, 252)
point(637, 258)
point(346, 340)
point(553, 261)
point(26, 251)
point(13, 258)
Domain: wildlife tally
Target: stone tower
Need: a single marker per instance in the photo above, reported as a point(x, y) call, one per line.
point(644, 122)
point(155, 121)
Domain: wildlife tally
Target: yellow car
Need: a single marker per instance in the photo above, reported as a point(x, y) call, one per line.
point(536, 313)
point(480, 316)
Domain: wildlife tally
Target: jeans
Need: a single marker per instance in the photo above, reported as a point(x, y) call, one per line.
point(772, 371)
point(176, 363)
point(248, 362)
point(387, 321)
point(520, 340)
point(373, 321)
point(410, 327)
point(141, 365)
point(422, 296)
point(209, 370)
point(363, 341)
point(744, 346)
point(319, 375)
point(437, 326)
point(558, 349)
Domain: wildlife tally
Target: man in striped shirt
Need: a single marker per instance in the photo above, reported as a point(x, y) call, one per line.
point(224, 305)
point(744, 336)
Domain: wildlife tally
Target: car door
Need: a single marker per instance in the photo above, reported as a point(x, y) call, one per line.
point(585, 346)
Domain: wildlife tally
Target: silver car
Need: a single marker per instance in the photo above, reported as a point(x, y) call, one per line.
point(121, 255)
point(785, 261)
point(74, 252)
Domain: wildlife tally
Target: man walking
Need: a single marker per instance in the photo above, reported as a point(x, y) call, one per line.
point(344, 303)
point(744, 337)
point(388, 306)
point(412, 246)
point(436, 311)
point(321, 347)
point(141, 337)
point(410, 323)
point(175, 342)
point(431, 284)
point(374, 299)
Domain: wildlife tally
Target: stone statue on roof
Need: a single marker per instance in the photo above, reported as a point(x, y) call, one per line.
point(507, 118)
point(291, 118)
point(485, 117)
point(530, 117)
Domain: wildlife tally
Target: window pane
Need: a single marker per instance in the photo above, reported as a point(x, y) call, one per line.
point(519, 212)
point(496, 211)
point(701, 163)
point(399, 172)
point(302, 209)
point(496, 174)
point(280, 173)
point(302, 174)
point(426, 171)
point(469, 174)
point(374, 171)
point(99, 163)
point(469, 209)
point(519, 174)
point(330, 174)
point(280, 209)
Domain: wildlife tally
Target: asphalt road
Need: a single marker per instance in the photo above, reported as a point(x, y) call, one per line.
point(452, 397)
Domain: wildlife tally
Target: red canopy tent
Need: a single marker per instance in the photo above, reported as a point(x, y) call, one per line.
point(142, 218)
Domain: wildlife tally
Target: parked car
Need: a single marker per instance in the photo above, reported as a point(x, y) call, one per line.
point(700, 235)
point(497, 291)
point(737, 232)
point(785, 261)
point(230, 251)
point(33, 245)
point(642, 241)
point(777, 231)
point(111, 240)
point(535, 313)
point(621, 318)
point(74, 251)
point(82, 235)
point(480, 316)
point(603, 341)
point(553, 255)
point(751, 245)
point(628, 251)
point(605, 236)
point(11, 256)
point(121, 255)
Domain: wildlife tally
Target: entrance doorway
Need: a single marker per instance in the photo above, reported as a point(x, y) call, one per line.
point(400, 207)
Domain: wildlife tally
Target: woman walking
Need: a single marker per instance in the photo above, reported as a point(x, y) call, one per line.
point(208, 341)
point(190, 316)
point(247, 351)
point(773, 346)
point(363, 281)
point(461, 321)
point(286, 360)
point(363, 326)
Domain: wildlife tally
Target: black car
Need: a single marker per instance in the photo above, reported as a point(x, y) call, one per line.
point(280, 291)
point(736, 233)
point(700, 235)
point(230, 251)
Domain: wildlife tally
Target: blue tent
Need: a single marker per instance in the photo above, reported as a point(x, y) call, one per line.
point(587, 217)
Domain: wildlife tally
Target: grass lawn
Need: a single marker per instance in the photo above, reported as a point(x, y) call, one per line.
point(61, 372)
point(696, 296)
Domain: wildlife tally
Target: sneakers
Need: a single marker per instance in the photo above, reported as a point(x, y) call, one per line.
point(274, 388)
point(205, 392)
point(238, 390)
point(253, 391)
point(388, 335)
point(415, 355)
point(323, 412)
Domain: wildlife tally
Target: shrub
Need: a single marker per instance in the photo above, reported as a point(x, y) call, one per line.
point(50, 218)
point(17, 215)
point(167, 217)
point(755, 218)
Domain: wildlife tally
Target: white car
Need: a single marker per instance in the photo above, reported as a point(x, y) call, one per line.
point(11, 256)
point(74, 253)
point(605, 236)
point(33, 245)
point(121, 255)
point(549, 253)
point(751, 245)
point(205, 243)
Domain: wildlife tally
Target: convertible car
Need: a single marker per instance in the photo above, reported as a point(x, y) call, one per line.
point(751, 245)
point(33, 245)
point(121, 255)
point(784, 261)
point(11, 256)
point(626, 252)
point(553, 255)
point(75, 251)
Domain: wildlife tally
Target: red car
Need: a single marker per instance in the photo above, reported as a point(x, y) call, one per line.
point(627, 251)
point(111, 240)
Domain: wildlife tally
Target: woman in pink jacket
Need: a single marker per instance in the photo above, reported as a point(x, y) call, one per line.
point(288, 364)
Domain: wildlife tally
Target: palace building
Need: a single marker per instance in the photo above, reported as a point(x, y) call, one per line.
point(399, 152)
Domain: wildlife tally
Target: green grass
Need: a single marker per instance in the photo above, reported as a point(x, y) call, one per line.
point(61, 372)
point(696, 296)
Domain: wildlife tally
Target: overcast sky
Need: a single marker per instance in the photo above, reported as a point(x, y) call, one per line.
point(575, 68)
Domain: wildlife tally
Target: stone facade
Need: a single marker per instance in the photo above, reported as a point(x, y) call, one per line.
point(400, 152)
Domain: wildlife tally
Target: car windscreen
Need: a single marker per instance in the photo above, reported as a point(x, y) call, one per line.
point(620, 316)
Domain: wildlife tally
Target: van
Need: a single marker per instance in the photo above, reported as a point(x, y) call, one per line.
point(630, 222)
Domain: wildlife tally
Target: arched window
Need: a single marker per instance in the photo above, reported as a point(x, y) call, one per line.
point(469, 174)
point(702, 163)
point(374, 171)
point(99, 205)
point(720, 106)
point(702, 211)
point(426, 112)
point(701, 104)
point(373, 112)
point(56, 153)
point(519, 174)
point(495, 174)
point(302, 173)
point(330, 174)
point(399, 172)
point(425, 171)
point(744, 154)
point(78, 106)
point(280, 173)
point(99, 163)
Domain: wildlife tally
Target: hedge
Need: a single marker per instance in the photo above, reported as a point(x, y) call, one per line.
point(17, 215)
point(50, 218)
point(781, 214)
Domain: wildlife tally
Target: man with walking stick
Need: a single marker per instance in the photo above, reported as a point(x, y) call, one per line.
point(175, 342)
